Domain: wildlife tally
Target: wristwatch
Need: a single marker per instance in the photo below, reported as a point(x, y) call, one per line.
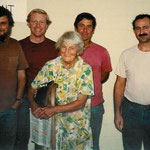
point(19, 100)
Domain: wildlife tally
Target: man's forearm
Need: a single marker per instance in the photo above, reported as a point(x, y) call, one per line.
point(21, 83)
point(119, 92)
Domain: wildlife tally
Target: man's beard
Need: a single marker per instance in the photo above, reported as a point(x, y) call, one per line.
point(5, 35)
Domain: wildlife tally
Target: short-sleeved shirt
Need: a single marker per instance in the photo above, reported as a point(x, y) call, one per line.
point(72, 129)
point(37, 54)
point(134, 66)
point(98, 58)
point(11, 60)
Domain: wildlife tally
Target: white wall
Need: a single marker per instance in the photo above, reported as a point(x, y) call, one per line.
point(113, 31)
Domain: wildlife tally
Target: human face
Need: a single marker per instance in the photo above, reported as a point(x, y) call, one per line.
point(38, 25)
point(85, 29)
point(142, 30)
point(68, 52)
point(4, 27)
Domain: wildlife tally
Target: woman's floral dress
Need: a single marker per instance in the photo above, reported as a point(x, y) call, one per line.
point(73, 130)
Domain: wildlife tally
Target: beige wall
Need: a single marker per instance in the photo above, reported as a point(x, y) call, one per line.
point(113, 31)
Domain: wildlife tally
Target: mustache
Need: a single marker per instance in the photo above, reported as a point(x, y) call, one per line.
point(144, 34)
point(1, 30)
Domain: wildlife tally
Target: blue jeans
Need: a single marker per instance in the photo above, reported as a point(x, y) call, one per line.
point(96, 124)
point(136, 126)
point(23, 126)
point(8, 122)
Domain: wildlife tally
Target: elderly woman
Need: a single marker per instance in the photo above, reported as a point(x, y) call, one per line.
point(75, 88)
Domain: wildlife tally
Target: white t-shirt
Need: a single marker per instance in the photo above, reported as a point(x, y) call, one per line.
point(134, 65)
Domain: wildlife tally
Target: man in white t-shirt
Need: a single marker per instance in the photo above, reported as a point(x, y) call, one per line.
point(132, 89)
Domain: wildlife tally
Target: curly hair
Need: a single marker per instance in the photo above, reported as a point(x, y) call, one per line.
point(8, 14)
point(71, 37)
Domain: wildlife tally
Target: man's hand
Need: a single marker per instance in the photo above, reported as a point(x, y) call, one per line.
point(119, 121)
point(15, 105)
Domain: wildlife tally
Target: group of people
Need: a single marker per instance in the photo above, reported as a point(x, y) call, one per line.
point(79, 67)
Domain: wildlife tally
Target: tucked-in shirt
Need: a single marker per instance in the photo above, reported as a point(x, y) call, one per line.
point(11, 60)
point(134, 66)
point(98, 58)
point(73, 128)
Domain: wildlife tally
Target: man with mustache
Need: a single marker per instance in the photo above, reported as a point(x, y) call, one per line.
point(132, 95)
point(12, 80)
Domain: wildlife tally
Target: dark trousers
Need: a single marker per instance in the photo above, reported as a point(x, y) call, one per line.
point(8, 121)
point(96, 124)
point(136, 128)
point(23, 126)
point(38, 147)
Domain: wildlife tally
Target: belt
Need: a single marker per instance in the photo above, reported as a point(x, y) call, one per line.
point(137, 105)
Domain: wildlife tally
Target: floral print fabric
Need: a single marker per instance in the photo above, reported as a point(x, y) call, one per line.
point(73, 130)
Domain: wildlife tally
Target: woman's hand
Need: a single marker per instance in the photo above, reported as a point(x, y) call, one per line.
point(49, 112)
point(38, 112)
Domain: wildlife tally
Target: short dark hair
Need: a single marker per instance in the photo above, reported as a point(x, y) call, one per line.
point(8, 14)
point(140, 16)
point(85, 15)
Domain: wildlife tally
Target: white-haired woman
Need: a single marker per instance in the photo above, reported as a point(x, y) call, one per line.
point(75, 87)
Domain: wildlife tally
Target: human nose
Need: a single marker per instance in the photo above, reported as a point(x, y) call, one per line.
point(37, 24)
point(142, 30)
point(67, 51)
point(85, 29)
point(1, 25)
point(1, 28)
